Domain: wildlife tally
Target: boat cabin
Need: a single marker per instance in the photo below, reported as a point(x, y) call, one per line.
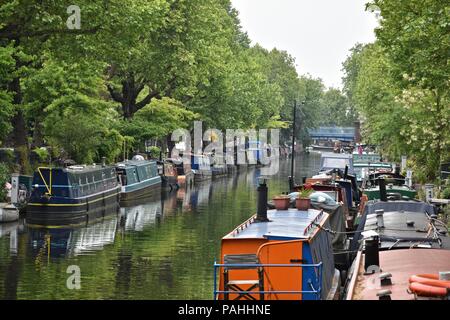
point(72, 182)
point(138, 178)
point(330, 161)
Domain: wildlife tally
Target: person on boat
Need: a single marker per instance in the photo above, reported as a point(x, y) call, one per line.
point(360, 150)
point(8, 188)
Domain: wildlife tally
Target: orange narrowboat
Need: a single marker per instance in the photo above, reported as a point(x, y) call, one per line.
point(278, 255)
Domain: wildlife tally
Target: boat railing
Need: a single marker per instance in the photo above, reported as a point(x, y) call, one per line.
point(316, 281)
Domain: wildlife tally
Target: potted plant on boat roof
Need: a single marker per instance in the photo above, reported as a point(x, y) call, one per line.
point(303, 201)
point(281, 202)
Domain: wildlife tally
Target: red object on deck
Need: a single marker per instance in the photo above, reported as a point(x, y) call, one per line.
point(429, 285)
point(427, 291)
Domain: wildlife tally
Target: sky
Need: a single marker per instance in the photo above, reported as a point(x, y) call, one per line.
point(317, 33)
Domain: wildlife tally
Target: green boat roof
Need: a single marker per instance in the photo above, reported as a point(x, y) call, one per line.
point(133, 164)
point(372, 165)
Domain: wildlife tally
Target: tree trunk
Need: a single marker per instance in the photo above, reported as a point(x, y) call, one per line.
point(440, 138)
point(18, 136)
point(38, 138)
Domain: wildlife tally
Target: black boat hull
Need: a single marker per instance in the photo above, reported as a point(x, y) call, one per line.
point(78, 211)
point(140, 193)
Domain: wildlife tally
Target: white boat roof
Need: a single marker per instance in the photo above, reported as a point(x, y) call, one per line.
point(284, 224)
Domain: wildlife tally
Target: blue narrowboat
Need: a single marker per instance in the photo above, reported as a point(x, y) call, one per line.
point(201, 166)
point(72, 194)
point(138, 178)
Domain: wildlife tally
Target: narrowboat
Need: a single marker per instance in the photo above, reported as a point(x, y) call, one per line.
point(322, 148)
point(403, 253)
point(218, 166)
point(201, 166)
point(185, 175)
point(332, 161)
point(138, 179)
point(390, 183)
point(278, 255)
point(366, 164)
point(169, 175)
point(72, 194)
point(332, 200)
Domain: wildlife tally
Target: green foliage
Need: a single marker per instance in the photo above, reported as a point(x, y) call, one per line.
point(43, 154)
point(400, 86)
point(157, 64)
point(335, 110)
point(6, 109)
point(157, 120)
point(304, 193)
point(4, 178)
point(154, 152)
point(79, 126)
point(445, 194)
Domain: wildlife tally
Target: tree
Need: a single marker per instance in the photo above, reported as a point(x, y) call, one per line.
point(79, 125)
point(33, 28)
point(157, 120)
point(6, 110)
point(335, 109)
point(310, 97)
point(177, 58)
point(416, 38)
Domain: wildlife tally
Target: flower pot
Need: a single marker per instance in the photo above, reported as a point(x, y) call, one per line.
point(281, 203)
point(303, 204)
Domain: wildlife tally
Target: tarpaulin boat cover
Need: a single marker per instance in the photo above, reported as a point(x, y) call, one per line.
point(337, 222)
point(399, 206)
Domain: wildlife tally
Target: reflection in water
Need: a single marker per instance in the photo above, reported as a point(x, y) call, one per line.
point(73, 241)
point(11, 230)
point(160, 248)
point(138, 216)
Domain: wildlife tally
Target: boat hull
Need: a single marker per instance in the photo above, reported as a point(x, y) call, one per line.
point(169, 182)
point(140, 193)
point(64, 211)
point(374, 194)
point(200, 176)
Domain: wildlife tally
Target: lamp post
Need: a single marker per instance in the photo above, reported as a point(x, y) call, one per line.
point(292, 176)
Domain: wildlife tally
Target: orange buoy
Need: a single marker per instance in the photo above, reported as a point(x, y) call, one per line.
point(431, 280)
point(429, 285)
point(427, 291)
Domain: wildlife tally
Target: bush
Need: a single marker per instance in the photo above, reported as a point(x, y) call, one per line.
point(154, 152)
point(446, 193)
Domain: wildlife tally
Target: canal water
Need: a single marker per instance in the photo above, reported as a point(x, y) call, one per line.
point(160, 249)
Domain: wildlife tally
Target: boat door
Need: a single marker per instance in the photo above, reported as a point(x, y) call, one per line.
point(282, 279)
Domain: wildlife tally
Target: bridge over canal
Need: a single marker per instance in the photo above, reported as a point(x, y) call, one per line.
point(333, 133)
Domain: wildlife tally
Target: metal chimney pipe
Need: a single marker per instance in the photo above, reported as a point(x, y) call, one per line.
point(371, 255)
point(382, 187)
point(261, 214)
